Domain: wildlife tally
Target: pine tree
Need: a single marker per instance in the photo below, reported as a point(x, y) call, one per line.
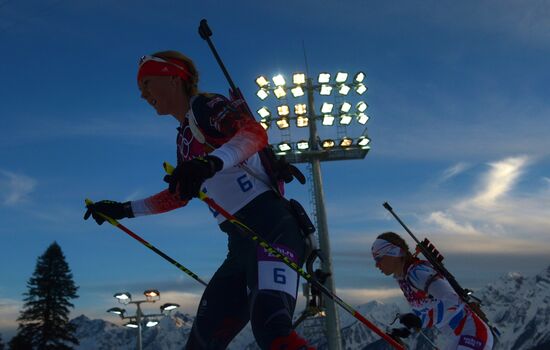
point(44, 320)
point(2, 346)
point(19, 342)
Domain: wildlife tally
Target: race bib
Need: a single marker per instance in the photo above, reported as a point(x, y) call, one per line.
point(274, 274)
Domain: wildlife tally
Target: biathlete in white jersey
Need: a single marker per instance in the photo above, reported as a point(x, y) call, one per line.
point(217, 152)
point(434, 302)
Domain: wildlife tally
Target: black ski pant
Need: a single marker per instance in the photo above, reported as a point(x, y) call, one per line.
point(250, 285)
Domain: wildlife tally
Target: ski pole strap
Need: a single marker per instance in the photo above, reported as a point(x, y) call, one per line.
point(274, 252)
point(148, 245)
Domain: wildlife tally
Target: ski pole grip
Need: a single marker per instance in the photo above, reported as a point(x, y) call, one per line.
point(204, 29)
point(387, 206)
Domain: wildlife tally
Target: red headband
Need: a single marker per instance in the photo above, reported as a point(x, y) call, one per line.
point(150, 65)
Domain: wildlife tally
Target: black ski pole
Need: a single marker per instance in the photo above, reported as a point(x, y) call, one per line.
point(149, 245)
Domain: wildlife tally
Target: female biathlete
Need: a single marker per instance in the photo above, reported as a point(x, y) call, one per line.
point(433, 300)
point(217, 153)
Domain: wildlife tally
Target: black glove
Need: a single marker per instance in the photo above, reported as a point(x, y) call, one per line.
point(410, 321)
point(188, 176)
point(399, 333)
point(112, 209)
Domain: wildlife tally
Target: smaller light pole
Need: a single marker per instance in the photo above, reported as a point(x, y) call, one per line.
point(136, 321)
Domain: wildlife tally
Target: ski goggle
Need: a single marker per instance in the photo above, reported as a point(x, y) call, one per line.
point(156, 66)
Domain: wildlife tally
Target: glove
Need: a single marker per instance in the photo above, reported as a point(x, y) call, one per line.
point(112, 209)
point(189, 176)
point(399, 333)
point(411, 321)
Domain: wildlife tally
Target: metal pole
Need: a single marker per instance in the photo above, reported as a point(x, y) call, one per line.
point(332, 320)
point(138, 319)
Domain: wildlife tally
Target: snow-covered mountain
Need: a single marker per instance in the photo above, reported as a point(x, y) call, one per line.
point(519, 306)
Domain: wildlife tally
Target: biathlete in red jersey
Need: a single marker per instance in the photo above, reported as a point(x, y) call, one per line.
point(217, 153)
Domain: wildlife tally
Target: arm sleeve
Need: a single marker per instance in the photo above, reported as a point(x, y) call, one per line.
point(446, 304)
point(159, 203)
point(243, 136)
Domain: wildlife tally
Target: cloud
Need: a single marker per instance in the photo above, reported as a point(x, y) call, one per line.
point(496, 217)
point(9, 311)
point(453, 171)
point(446, 222)
point(15, 188)
point(498, 181)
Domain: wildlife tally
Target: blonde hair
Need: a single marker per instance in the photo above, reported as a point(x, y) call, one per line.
point(191, 87)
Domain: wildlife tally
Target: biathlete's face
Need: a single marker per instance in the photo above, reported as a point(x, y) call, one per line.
point(389, 265)
point(164, 93)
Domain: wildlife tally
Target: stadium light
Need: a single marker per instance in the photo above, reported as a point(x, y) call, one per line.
point(362, 118)
point(264, 112)
point(341, 77)
point(140, 319)
point(363, 141)
point(325, 90)
point(123, 297)
point(326, 107)
point(262, 81)
point(345, 119)
point(302, 121)
point(279, 92)
point(345, 107)
point(168, 307)
point(283, 110)
point(326, 144)
point(284, 147)
point(262, 94)
point(362, 107)
point(360, 88)
point(328, 119)
point(299, 78)
point(302, 145)
point(359, 77)
point(282, 123)
point(337, 105)
point(279, 80)
point(324, 78)
point(343, 89)
point(346, 142)
point(297, 91)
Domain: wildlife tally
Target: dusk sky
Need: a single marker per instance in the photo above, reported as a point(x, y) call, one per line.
point(460, 122)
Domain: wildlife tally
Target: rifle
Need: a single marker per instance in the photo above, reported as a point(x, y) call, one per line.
point(434, 257)
point(277, 169)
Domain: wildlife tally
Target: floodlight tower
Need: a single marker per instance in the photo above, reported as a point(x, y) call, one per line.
point(136, 321)
point(313, 150)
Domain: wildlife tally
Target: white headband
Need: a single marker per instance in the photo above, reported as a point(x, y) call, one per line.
point(382, 247)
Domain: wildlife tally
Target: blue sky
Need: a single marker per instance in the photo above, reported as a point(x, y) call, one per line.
point(458, 99)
